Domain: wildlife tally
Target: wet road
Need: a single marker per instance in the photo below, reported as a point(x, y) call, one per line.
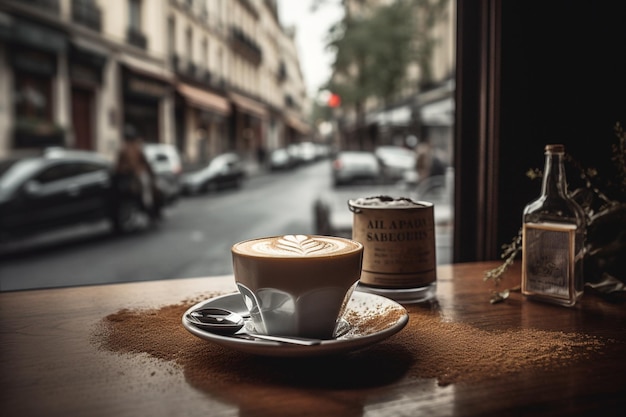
point(193, 240)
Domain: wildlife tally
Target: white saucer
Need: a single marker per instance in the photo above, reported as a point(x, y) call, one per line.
point(372, 318)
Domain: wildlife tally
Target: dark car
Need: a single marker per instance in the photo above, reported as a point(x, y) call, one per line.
point(58, 189)
point(224, 171)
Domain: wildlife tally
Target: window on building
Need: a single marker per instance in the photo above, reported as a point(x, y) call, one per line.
point(134, 14)
point(134, 33)
point(33, 98)
point(205, 54)
point(189, 45)
point(171, 35)
point(220, 62)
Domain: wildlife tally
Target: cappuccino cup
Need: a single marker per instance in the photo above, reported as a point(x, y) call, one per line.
point(297, 285)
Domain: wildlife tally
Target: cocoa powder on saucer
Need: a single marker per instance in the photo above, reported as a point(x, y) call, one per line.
point(428, 347)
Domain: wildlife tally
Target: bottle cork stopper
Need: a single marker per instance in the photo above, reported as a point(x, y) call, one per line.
point(555, 148)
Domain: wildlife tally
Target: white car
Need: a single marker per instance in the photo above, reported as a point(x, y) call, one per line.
point(281, 159)
point(165, 162)
point(396, 162)
point(352, 166)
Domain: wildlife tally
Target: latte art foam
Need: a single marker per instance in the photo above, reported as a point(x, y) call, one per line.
point(296, 246)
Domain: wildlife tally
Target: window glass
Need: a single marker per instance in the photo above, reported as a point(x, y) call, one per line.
point(86, 168)
point(62, 171)
point(171, 35)
point(55, 173)
point(134, 14)
point(189, 46)
point(32, 97)
point(205, 54)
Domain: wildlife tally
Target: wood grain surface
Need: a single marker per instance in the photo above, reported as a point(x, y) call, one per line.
point(50, 364)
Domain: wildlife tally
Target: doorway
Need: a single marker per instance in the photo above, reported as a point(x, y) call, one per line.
point(82, 118)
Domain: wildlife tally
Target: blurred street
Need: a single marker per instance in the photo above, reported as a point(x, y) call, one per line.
point(193, 240)
point(209, 88)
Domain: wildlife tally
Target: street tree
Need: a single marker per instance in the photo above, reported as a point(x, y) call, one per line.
point(373, 52)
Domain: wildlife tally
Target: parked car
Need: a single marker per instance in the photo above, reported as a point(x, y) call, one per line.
point(58, 189)
point(165, 162)
point(308, 152)
point(281, 159)
point(224, 171)
point(353, 166)
point(396, 162)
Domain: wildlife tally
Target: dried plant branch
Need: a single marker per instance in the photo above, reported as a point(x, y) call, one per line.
point(509, 253)
point(619, 156)
point(609, 194)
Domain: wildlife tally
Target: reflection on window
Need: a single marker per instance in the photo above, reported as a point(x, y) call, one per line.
point(64, 171)
point(32, 98)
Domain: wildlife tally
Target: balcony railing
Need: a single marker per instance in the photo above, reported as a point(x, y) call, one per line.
point(37, 134)
point(137, 38)
point(206, 77)
point(289, 101)
point(245, 46)
point(86, 13)
point(281, 75)
point(191, 69)
point(175, 61)
point(47, 5)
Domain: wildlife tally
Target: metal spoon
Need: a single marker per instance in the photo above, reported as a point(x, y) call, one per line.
point(226, 322)
point(216, 320)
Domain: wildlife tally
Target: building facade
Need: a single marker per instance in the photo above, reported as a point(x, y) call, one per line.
point(424, 107)
point(205, 75)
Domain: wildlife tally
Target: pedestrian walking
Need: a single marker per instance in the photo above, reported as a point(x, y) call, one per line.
point(135, 179)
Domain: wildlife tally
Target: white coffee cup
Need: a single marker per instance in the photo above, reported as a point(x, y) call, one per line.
point(297, 285)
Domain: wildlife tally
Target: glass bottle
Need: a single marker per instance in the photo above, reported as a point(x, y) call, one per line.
point(553, 236)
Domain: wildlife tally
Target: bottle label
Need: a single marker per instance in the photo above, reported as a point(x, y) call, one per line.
point(548, 259)
point(399, 246)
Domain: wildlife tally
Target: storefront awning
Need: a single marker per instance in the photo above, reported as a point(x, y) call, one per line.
point(438, 113)
point(146, 68)
point(204, 99)
point(249, 106)
point(400, 116)
point(40, 37)
point(297, 124)
point(145, 85)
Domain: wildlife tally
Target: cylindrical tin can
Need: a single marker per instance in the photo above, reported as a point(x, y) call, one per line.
point(399, 258)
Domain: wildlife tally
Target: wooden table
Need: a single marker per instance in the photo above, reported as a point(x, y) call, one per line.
point(52, 365)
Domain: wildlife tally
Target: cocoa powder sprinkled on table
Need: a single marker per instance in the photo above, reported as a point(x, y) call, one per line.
point(374, 318)
point(454, 352)
point(428, 347)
